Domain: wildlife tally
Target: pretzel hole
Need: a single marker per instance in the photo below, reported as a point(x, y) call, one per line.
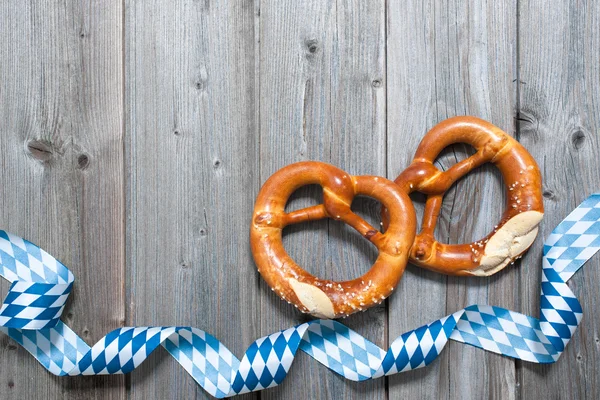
point(305, 196)
point(327, 248)
point(474, 204)
point(418, 200)
point(369, 209)
point(453, 154)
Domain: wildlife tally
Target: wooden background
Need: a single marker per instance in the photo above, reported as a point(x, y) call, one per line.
point(135, 135)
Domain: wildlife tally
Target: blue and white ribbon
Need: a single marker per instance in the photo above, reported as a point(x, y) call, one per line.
point(31, 314)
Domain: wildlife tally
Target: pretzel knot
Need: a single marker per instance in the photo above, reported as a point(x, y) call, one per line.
point(519, 225)
point(320, 297)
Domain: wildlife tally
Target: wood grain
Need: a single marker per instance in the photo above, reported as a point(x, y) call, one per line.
point(322, 97)
point(447, 59)
point(192, 162)
point(135, 137)
point(62, 170)
point(559, 122)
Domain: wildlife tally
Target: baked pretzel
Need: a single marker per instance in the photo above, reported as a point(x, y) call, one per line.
point(320, 297)
point(519, 225)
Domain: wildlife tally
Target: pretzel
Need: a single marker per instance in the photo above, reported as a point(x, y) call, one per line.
point(519, 225)
point(320, 297)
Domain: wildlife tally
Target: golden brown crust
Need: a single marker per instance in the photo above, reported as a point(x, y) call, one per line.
point(321, 297)
point(518, 226)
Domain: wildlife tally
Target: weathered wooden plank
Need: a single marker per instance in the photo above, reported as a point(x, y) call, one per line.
point(199, 89)
point(192, 161)
point(62, 169)
point(322, 97)
point(559, 123)
point(447, 59)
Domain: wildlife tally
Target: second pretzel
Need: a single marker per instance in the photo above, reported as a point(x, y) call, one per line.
point(518, 227)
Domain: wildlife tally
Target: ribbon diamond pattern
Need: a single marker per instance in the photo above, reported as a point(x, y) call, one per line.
point(41, 284)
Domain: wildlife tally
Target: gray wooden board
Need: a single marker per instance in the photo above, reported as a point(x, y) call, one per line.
point(560, 124)
point(135, 137)
point(322, 98)
point(192, 158)
point(62, 170)
point(447, 59)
